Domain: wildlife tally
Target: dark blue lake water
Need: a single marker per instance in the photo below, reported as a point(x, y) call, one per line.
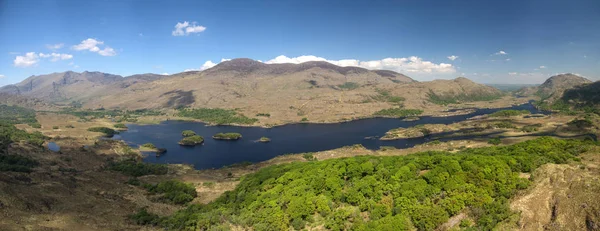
point(293, 138)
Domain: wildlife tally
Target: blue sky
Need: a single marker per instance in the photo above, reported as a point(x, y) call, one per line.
point(520, 41)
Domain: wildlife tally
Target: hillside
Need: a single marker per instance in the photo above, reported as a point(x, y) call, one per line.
point(318, 91)
point(554, 87)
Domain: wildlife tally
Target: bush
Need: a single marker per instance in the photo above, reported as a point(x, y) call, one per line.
point(16, 163)
point(191, 140)
point(149, 146)
point(504, 124)
point(508, 113)
point(18, 115)
point(120, 125)
point(217, 116)
point(264, 114)
point(386, 96)
point(309, 156)
point(264, 139)
point(457, 98)
point(54, 127)
point(136, 169)
point(105, 130)
point(9, 133)
point(495, 141)
point(173, 191)
point(304, 119)
point(531, 128)
point(349, 86)
point(398, 112)
point(581, 123)
point(143, 217)
point(35, 125)
point(227, 136)
point(70, 126)
point(188, 133)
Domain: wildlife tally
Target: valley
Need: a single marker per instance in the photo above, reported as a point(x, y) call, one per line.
point(399, 154)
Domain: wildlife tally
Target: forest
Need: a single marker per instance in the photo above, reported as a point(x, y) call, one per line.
point(419, 191)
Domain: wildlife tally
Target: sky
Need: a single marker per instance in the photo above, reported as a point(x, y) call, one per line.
point(510, 41)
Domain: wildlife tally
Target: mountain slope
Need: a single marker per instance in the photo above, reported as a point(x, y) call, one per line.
point(554, 87)
point(318, 91)
point(62, 86)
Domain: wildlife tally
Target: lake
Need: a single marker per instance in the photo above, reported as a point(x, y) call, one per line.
point(292, 138)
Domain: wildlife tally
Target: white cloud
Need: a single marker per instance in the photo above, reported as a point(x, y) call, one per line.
point(1, 76)
point(411, 64)
point(29, 59)
point(507, 59)
point(207, 64)
point(452, 57)
point(107, 52)
point(186, 28)
point(165, 73)
point(55, 46)
point(191, 69)
point(88, 44)
point(512, 73)
point(542, 67)
point(92, 45)
point(501, 53)
point(55, 56)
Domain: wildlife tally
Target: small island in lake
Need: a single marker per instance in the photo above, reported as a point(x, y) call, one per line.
point(150, 147)
point(264, 139)
point(227, 136)
point(191, 140)
point(188, 133)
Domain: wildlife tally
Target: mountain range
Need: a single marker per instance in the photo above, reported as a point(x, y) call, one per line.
point(318, 90)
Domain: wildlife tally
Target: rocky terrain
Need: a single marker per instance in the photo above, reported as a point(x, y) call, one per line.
point(554, 87)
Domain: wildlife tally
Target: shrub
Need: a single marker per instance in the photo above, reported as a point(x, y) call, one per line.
point(143, 217)
point(70, 126)
point(217, 116)
point(16, 163)
point(188, 133)
point(35, 125)
point(264, 139)
point(120, 125)
point(264, 114)
point(173, 191)
point(398, 112)
point(508, 113)
point(531, 128)
point(495, 141)
point(149, 146)
point(386, 96)
point(309, 156)
point(304, 119)
point(191, 140)
point(504, 124)
point(227, 136)
point(349, 86)
point(463, 97)
point(105, 130)
point(136, 169)
point(54, 127)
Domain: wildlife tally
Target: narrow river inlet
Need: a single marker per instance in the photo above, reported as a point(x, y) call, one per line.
point(293, 138)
